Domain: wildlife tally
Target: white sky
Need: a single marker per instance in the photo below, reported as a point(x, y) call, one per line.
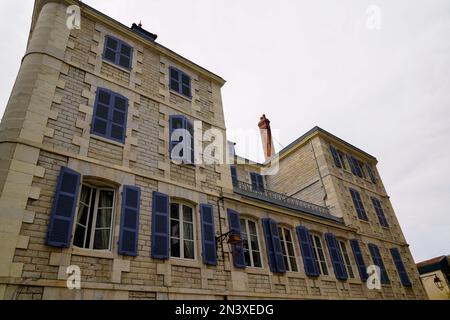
point(307, 63)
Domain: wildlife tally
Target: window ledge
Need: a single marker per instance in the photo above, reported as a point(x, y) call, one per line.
point(255, 270)
point(116, 66)
point(92, 253)
point(102, 139)
point(185, 263)
point(188, 99)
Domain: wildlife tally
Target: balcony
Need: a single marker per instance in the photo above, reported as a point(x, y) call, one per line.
point(246, 189)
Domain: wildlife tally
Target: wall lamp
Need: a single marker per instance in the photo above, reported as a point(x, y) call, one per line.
point(437, 281)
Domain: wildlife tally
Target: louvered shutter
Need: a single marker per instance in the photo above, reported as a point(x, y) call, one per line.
point(64, 206)
point(335, 155)
point(160, 226)
point(357, 253)
point(311, 268)
point(336, 257)
point(403, 274)
point(129, 223)
point(237, 249)
point(208, 234)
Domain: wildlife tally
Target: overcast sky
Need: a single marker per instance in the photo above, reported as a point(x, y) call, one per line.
point(308, 63)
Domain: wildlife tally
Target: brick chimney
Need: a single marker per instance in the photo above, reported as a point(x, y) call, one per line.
point(266, 137)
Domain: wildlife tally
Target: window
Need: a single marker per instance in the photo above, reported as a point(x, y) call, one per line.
point(342, 160)
point(355, 166)
point(371, 174)
point(95, 218)
point(376, 257)
point(361, 169)
point(287, 246)
point(118, 52)
point(182, 231)
point(359, 206)
point(110, 115)
point(249, 234)
point(180, 82)
point(380, 213)
point(346, 257)
point(181, 139)
point(335, 155)
point(257, 181)
point(234, 176)
point(319, 254)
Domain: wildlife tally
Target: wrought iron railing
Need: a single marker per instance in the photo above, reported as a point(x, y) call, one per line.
point(246, 189)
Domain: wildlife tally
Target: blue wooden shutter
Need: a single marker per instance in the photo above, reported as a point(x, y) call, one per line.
point(190, 151)
point(235, 227)
point(260, 182)
point(175, 84)
point(380, 213)
point(124, 56)
point(63, 211)
point(111, 47)
point(185, 85)
point(400, 267)
point(102, 112)
point(358, 169)
point(129, 223)
point(311, 268)
point(335, 155)
point(359, 206)
point(278, 252)
point(118, 120)
point(208, 234)
point(357, 253)
point(378, 261)
point(371, 175)
point(269, 245)
point(254, 181)
point(336, 257)
point(160, 226)
point(234, 176)
point(176, 122)
point(352, 165)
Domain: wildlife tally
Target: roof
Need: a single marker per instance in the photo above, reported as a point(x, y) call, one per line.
point(435, 264)
point(317, 129)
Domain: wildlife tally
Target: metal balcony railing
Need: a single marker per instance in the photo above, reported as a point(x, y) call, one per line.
point(246, 189)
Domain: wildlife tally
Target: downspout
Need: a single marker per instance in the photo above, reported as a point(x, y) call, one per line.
point(325, 197)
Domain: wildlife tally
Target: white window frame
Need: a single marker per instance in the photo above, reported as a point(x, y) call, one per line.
point(314, 239)
point(346, 257)
point(180, 220)
point(284, 243)
point(246, 229)
point(94, 219)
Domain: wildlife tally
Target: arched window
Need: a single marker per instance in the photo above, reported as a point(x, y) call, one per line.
point(94, 224)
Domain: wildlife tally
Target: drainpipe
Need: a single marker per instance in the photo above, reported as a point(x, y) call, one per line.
point(325, 197)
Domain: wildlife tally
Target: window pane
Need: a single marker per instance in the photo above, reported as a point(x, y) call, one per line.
point(175, 248)
point(83, 214)
point(174, 228)
point(116, 132)
point(247, 258)
point(256, 259)
point(290, 249)
point(119, 117)
point(120, 103)
point(254, 242)
point(187, 214)
point(124, 61)
point(186, 80)
point(125, 50)
point(174, 85)
point(186, 91)
point(104, 97)
point(188, 229)
point(102, 112)
point(78, 239)
point(188, 249)
point(174, 74)
point(106, 199)
point(174, 213)
point(110, 55)
point(288, 235)
point(104, 218)
point(293, 264)
point(100, 126)
point(101, 240)
point(111, 43)
point(252, 227)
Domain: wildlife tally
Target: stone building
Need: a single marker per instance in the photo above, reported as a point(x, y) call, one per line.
point(88, 179)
